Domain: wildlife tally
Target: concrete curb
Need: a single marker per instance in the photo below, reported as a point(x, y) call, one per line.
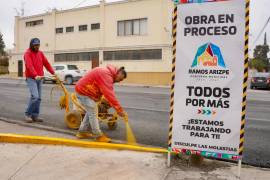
point(12, 139)
point(16, 138)
point(37, 126)
point(16, 78)
point(142, 85)
point(45, 128)
point(122, 84)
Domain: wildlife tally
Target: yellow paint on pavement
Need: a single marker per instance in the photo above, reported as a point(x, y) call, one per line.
point(130, 135)
point(16, 138)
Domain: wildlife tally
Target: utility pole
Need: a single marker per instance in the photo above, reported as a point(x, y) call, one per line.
point(22, 8)
point(265, 39)
point(21, 11)
point(261, 32)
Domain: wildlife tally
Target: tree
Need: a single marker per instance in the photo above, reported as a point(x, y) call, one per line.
point(261, 52)
point(259, 64)
point(261, 61)
point(2, 45)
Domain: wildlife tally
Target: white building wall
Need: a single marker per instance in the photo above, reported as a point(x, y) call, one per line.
point(159, 24)
point(82, 40)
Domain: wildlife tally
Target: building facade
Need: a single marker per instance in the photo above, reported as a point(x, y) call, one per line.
point(131, 33)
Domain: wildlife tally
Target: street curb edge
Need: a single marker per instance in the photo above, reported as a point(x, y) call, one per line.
point(24, 139)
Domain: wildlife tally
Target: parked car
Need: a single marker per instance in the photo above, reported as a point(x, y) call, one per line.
point(66, 72)
point(260, 81)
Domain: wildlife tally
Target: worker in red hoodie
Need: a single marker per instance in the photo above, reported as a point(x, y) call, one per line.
point(35, 60)
point(89, 90)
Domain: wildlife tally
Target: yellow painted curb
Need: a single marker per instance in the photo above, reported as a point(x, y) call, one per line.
point(16, 138)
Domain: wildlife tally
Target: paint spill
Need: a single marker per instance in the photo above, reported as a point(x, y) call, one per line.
point(130, 135)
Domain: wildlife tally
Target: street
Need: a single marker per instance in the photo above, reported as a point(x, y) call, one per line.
point(148, 109)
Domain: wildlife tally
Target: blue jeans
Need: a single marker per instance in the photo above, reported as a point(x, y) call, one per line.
point(33, 107)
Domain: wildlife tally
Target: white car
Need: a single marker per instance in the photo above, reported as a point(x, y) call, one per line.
point(66, 72)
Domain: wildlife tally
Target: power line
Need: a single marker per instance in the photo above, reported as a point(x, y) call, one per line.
point(262, 31)
point(80, 3)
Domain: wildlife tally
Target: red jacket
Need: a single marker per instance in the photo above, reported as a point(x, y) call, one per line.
point(34, 62)
point(99, 82)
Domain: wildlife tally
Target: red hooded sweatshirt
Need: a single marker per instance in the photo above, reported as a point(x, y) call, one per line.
point(34, 62)
point(99, 82)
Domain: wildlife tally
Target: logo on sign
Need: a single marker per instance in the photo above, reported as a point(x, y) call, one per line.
point(208, 64)
point(208, 55)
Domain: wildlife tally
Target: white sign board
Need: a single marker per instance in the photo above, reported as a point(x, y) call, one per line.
point(209, 76)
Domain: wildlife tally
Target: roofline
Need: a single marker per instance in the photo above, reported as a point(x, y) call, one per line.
point(77, 9)
point(122, 2)
point(33, 16)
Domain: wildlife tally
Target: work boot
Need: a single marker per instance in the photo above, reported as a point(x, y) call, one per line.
point(28, 119)
point(84, 135)
point(103, 138)
point(37, 119)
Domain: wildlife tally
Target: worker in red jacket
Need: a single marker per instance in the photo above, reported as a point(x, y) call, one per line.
point(89, 90)
point(34, 61)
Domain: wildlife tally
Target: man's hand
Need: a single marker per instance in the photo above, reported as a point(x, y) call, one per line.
point(38, 78)
point(55, 76)
point(124, 116)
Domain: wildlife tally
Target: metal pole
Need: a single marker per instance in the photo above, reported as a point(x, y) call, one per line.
point(239, 168)
point(169, 159)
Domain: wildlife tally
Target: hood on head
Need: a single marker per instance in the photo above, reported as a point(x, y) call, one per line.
point(113, 70)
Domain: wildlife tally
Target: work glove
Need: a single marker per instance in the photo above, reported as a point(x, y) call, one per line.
point(123, 115)
point(56, 78)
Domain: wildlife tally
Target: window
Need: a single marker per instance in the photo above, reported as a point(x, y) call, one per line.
point(132, 27)
point(70, 29)
point(81, 56)
point(143, 26)
point(121, 28)
point(82, 27)
point(34, 23)
point(128, 28)
point(59, 68)
point(72, 67)
point(58, 30)
point(145, 54)
point(95, 26)
point(136, 27)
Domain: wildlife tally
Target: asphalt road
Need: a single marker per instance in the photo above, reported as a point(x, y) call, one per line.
point(148, 112)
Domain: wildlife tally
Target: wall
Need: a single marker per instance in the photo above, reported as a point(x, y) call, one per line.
point(158, 13)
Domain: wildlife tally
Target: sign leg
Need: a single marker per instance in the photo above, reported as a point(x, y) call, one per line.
point(169, 159)
point(239, 168)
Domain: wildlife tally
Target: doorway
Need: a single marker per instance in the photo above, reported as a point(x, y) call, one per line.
point(20, 68)
point(95, 63)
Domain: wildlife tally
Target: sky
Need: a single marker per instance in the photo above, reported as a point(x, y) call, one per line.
point(259, 13)
point(32, 7)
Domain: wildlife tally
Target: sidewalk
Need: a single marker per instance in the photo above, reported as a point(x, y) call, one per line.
point(48, 162)
point(10, 76)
